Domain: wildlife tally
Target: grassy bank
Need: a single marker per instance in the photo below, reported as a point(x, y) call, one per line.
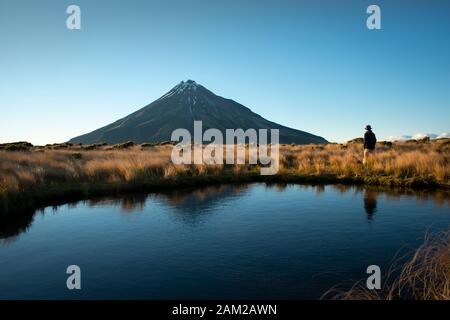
point(425, 276)
point(32, 176)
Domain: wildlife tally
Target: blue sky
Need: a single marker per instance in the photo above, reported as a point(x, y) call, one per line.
point(311, 65)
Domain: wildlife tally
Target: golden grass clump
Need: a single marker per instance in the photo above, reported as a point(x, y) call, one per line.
point(400, 163)
point(425, 276)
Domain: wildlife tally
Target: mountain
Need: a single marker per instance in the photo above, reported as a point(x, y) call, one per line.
point(178, 108)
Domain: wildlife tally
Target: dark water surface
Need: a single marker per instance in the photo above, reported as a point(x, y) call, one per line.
point(249, 241)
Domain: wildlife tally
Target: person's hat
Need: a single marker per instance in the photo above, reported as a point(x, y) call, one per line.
point(368, 127)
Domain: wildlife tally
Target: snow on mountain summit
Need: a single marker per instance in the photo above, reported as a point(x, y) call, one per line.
point(189, 85)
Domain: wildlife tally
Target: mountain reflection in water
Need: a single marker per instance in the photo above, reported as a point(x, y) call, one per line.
point(192, 205)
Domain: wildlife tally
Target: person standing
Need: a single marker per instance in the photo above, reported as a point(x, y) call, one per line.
point(370, 141)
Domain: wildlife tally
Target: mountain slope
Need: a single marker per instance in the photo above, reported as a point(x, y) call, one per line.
point(178, 108)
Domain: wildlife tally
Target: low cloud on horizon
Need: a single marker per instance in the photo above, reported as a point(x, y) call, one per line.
point(419, 136)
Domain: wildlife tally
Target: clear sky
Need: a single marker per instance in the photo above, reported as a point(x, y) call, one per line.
point(310, 65)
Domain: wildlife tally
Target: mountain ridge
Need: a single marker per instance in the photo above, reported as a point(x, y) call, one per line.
point(185, 103)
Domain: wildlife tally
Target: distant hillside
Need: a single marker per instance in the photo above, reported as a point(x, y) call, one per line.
point(178, 108)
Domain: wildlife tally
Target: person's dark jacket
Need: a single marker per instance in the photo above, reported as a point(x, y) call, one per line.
point(369, 140)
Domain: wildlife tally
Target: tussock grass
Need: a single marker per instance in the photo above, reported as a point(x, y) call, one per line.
point(402, 164)
point(425, 276)
point(59, 170)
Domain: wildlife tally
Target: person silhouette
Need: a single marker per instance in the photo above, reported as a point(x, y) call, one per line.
point(370, 141)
